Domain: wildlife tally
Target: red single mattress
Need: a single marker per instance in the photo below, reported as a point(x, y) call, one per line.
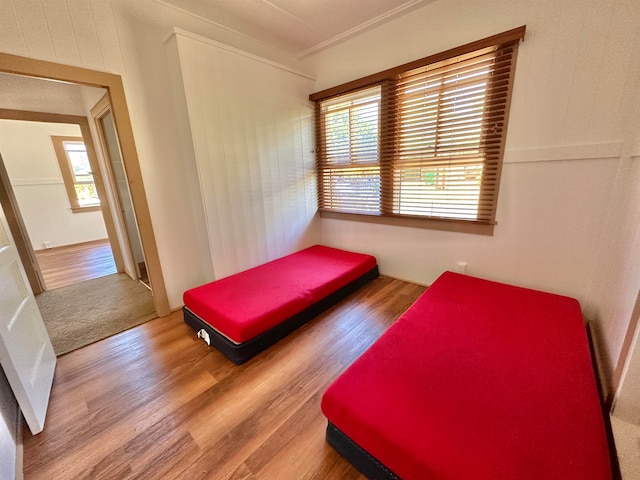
point(477, 380)
point(249, 303)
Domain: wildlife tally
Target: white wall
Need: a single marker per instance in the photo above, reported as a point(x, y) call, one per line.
point(568, 180)
point(37, 183)
point(142, 28)
point(251, 127)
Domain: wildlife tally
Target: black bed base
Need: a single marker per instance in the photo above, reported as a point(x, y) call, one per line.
point(357, 456)
point(240, 353)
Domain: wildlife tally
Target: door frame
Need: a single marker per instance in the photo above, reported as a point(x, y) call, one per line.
point(19, 232)
point(30, 67)
point(22, 241)
point(103, 105)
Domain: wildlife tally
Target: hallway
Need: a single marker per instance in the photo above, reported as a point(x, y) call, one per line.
point(86, 300)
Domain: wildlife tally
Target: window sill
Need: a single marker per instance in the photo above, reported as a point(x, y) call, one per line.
point(92, 208)
point(462, 226)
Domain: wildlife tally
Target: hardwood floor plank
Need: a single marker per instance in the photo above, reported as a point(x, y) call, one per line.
point(157, 403)
point(335, 466)
point(135, 460)
point(242, 473)
point(127, 351)
point(272, 455)
point(69, 264)
point(229, 441)
point(111, 426)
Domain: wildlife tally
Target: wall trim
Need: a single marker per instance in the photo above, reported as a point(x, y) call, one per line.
point(593, 151)
point(27, 182)
point(88, 243)
point(399, 10)
point(194, 36)
point(395, 277)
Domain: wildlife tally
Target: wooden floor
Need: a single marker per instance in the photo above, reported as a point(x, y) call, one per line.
point(62, 266)
point(157, 403)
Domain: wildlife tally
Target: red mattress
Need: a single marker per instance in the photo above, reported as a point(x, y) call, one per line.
point(249, 303)
point(477, 380)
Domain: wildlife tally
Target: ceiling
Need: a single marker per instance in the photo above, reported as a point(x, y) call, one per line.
point(300, 27)
point(43, 95)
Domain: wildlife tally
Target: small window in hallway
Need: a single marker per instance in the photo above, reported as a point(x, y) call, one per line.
point(76, 172)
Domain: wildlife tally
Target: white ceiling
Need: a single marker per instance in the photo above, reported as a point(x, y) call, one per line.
point(41, 95)
point(300, 27)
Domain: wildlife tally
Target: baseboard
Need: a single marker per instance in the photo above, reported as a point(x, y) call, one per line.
point(415, 282)
point(71, 245)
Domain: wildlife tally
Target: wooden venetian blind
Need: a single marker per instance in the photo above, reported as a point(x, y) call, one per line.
point(425, 141)
point(350, 166)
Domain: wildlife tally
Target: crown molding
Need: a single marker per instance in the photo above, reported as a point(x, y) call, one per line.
point(223, 46)
point(361, 28)
point(316, 48)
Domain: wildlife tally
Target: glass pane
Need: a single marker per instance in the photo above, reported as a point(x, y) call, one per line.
point(447, 192)
point(364, 134)
point(337, 131)
point(87, 195)
point(351, 128)
point(352, 189)
point(79, 163)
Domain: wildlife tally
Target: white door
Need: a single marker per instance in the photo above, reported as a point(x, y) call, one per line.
point(26, 353)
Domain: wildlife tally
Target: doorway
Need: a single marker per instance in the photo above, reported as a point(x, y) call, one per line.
point(133, 258)
point(54, 190)
point(113, 84)
point(38, 158)
point(47, 173)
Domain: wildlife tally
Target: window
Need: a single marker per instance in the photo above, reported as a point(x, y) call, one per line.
point(351, 179)
point(76, 173)
point(420, 144)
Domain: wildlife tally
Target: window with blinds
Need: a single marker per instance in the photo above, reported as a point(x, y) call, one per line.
point(351, 156)
point(423, 141)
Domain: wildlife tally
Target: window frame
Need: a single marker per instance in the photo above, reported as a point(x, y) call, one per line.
point(353, 150)
point(67, 173)
point(386, 80)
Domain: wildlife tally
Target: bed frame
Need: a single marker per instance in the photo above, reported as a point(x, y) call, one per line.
point(239, 353)
point(385, 412)
point(243, 314)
